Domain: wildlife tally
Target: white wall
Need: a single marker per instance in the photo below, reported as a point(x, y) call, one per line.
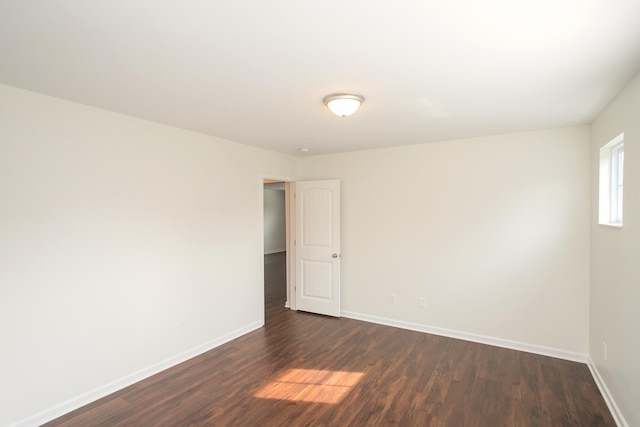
point(274, 221)
point(493, 232)
point(615, 261)
point(113, 230)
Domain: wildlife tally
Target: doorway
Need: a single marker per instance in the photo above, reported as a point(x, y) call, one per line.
point(275, 246)
point(312, 264)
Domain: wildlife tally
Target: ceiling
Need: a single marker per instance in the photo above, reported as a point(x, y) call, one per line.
point(255, 71)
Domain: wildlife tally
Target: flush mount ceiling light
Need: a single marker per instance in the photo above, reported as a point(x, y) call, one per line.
point(343, 104)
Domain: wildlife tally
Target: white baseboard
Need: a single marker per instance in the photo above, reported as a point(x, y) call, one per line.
point(482, 339)
point(93, 395)
point(275, 251)
point(102, 391)
point(606, 394)
point(514, 345)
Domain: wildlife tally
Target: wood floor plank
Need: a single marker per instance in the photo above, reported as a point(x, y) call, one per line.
point(288, 371)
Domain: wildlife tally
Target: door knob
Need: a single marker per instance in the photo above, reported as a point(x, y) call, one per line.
point(334, 256)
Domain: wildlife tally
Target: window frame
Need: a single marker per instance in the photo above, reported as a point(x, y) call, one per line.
point(617, 182)
point(611, 194)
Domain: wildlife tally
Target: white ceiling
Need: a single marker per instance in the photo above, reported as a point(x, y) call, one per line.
point(255, 71)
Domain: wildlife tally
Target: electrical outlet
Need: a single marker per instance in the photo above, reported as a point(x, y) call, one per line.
point(392, 298)
point(604, 350)
point(422, 302)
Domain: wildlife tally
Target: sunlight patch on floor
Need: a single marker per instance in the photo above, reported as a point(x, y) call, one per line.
point(310, 385)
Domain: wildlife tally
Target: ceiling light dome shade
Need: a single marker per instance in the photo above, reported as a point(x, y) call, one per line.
point(343, 104)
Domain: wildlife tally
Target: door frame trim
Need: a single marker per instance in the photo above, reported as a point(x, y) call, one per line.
point(290, 233)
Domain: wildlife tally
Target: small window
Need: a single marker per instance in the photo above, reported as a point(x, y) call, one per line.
point(611, 182)
point(617, 162)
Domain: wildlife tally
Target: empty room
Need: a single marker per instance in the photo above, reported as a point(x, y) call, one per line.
point(457, 196)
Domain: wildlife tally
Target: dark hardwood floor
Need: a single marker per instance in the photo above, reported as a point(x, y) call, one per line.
point(307, 370)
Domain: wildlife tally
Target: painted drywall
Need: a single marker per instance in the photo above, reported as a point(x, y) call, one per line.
point(492, 231)
point(274, 221)
point(123, 244)
point(615, 256)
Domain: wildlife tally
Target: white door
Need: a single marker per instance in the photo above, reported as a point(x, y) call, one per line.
point(317, 250)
